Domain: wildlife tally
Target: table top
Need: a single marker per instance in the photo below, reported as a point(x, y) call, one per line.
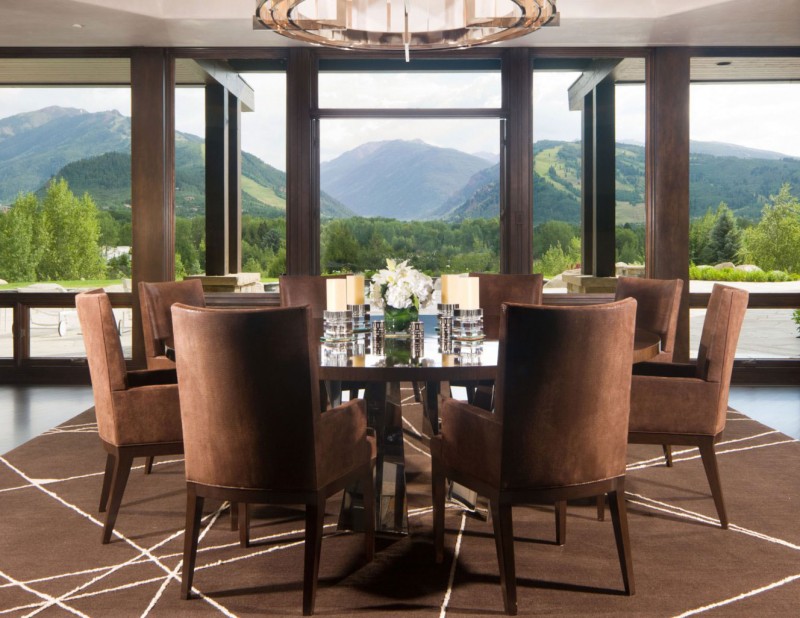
point(399, 362)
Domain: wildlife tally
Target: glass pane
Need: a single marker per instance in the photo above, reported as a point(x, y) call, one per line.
point(412, 89)
point(557, 179)
point(424, 190)
point(6, 341)
point(744, 196)
point(263, 179)
point(55, 332)
point(766, 333)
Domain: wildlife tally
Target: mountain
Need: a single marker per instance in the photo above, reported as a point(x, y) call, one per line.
point(721, 149)
point(92, 152)
point(398, 178)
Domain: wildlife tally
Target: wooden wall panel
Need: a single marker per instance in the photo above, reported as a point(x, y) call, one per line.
point(516, 203)
point(667, 177)
point(302, 165)
point(217, 185)
point(152, 175)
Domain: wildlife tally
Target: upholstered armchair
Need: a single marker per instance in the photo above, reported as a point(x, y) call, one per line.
point(494, 290)
point(156, 300)
point(563, 379)
point(658, 302)
point(253, 429)
point(686, 404)
point(137, 411)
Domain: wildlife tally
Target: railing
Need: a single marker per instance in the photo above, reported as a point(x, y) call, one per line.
point(22, 362)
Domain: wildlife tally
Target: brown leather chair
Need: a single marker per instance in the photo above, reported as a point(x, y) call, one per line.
point(137, 411)
point(253, 429)
point(658, 302)
point(686, 404)
point(494, 290)
point(311, 290)
point(155, 300)
point(563, 378)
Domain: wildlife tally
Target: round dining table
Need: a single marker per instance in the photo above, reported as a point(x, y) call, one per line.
point(424, 363)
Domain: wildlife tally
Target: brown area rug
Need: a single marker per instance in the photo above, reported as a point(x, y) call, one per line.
point(52, 562)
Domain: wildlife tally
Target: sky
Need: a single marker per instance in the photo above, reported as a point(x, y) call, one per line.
point(760, 116)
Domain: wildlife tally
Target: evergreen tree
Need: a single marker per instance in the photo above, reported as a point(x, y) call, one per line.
point(724, 239)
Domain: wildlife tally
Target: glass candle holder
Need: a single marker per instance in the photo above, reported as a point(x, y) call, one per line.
point(338, 325)
point(468, 325)
point(360, 316)
point(377, 336)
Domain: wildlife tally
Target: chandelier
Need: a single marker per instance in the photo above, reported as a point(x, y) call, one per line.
point(403, 24)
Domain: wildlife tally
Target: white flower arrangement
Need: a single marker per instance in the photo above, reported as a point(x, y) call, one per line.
point(400, 286)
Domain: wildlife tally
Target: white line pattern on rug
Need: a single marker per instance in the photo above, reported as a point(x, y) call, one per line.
point(739, 597)
point(449, 592)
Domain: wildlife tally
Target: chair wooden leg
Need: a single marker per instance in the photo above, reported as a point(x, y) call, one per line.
point(315, 514)
point(438, 491)
point(601, 508)
point(368, 494)
point(667, 454)
point(504, 544)
point(109, 474)
point(709, 457)
point(148, 465)
point(244, 525)
point(234, 516)
point(619, 518)
point(561, 522)
point(194, 512)
point(122, 468)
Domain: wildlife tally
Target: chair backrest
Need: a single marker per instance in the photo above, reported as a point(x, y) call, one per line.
point(156, 300)
point(658, 304)
point(249, 396)
point(563, 392)
point(104, 355)
point(495, 289)
point(299, 290)
point(723, 322)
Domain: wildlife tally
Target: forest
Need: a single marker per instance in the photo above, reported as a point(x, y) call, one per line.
point(59, 236)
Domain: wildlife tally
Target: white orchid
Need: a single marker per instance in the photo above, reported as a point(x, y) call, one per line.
point(401, 286)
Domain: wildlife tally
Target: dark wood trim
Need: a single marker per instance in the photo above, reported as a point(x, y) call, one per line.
point(302, 165)
point(604, 180)
point(67, 52)
point(449, 112)
point(217, 180)
point(589, 80)
point(756, 371)
point(667, 177)
point(152, 174)
point(587, 185)
point(516, 201)
point(756, 300)
point(234, 183)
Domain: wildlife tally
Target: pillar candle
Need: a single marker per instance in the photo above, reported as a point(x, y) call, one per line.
point(355, 289)
point(447, 288)
point(336, 294)
point(470, 293)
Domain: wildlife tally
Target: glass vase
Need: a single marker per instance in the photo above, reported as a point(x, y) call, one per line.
point(397, 320)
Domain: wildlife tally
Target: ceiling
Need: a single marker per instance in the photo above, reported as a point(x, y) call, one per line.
point(229, 23)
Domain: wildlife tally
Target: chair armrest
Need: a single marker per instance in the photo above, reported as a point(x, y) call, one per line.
point(471, 440)
point(343, 441)
point(667, 370)
point(147, 414)
point(675, 405)
point(151, 377)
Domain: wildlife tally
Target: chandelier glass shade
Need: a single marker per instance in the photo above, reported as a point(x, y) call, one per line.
point(403, 24)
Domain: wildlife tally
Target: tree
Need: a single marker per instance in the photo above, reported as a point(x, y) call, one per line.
point(72, 232)
point(774, 243)
point(22, 240)
point(724, 238)
point(699, 233)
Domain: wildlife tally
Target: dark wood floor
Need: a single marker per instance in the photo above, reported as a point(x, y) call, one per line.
point(27, 411)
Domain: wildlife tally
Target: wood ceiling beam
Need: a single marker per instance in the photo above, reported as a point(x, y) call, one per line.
point(226, 77)
point(596, 73)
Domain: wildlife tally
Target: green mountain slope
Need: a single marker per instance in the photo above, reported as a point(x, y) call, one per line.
point(92, 152)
